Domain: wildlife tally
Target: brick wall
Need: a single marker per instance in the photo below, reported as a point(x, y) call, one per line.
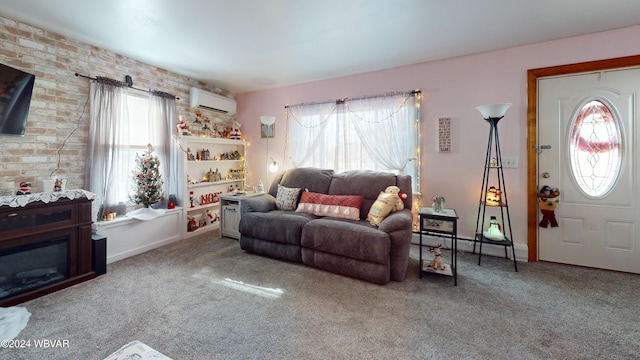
point(55, 140)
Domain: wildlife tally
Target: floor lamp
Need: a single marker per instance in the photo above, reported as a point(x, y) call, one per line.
point(490, 196)
point(267, 132)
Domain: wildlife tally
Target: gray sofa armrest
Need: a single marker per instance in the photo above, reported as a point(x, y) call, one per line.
point(399, 220)
point(399, 226)
point(260, 203)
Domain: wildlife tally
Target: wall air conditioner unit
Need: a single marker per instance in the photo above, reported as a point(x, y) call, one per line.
point(210, 101)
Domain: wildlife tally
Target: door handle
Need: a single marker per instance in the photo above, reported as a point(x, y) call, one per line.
point(541, 147)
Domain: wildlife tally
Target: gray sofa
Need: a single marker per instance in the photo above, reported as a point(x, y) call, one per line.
point(353, 248)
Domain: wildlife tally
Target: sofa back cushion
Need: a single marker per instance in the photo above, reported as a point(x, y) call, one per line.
point(313, 179)
point(367, 183)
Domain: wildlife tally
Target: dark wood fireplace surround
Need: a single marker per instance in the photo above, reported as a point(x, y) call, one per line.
point(39, 221)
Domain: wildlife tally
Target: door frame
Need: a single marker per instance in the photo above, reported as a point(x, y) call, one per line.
point(532, 130)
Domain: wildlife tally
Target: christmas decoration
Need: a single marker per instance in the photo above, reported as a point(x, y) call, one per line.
point(147, 182)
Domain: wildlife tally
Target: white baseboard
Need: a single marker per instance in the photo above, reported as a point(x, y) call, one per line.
point(128, 237)
point(465, 245)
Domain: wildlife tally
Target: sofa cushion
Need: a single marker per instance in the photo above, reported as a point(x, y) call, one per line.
point(350, 239)
point(338, 206)
point(276, 226)
point(312, 179)
point(367, 183)
point(287, 198)
point(382, 207)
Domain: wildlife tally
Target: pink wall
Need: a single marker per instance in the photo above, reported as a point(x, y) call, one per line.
point(451, 88)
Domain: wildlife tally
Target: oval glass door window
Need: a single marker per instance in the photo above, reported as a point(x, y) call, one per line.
point(595, 149)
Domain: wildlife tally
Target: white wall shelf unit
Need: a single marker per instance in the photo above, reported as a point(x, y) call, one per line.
point(211, 167)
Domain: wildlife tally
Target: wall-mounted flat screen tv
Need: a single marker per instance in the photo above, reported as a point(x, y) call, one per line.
point(16, 87)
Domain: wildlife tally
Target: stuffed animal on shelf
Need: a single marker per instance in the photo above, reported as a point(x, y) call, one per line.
point(437, 262)
point(548, 206)
point(399, 205)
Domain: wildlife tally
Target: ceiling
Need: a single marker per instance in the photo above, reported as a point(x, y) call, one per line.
point(250, 45)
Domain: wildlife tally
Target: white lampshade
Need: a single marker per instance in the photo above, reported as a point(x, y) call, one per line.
point(267, 120)
point(273, 166)
point(493, 110)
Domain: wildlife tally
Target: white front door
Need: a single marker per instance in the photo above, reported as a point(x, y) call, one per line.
point(587, 141)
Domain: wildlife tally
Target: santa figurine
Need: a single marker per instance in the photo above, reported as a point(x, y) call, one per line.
point(235, 131)
point(183, 127)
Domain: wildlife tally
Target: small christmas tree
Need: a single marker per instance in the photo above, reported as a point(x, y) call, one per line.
point(147, 182)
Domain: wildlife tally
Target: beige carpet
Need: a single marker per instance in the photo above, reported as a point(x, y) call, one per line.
point(204, 298)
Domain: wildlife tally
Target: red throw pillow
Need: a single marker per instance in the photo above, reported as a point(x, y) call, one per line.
point(338, 206)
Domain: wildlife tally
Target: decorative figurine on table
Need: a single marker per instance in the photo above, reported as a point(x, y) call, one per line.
point(191, 198)
point(438, 203)
point(25, 188)
point(436, 263)
point(58, 185)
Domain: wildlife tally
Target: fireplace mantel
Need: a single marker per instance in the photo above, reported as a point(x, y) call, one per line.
point(45, 197)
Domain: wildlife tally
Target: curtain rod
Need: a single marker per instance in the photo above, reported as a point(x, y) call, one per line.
point(129, 83)
point(341, 101)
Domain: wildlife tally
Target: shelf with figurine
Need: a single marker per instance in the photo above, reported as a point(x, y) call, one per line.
point(215, 178)
point(203, 221)
point(203, 201)
point(209, 183)
point(205, 155)
point(202, 127)
point(213, 164)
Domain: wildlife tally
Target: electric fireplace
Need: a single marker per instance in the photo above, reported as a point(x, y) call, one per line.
point(44, 247)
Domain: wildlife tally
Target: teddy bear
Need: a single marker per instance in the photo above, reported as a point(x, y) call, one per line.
point(548, 207)
point(399, 205)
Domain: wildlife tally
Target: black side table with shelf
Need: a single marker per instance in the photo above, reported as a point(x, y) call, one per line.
point(443, 224)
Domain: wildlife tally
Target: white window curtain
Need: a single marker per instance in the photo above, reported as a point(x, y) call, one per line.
point(108, 132)
point(107, 169)
point(162, 110)
point(376, 132)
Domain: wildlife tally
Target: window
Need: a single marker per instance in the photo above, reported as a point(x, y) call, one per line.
point(376, 133)
point(123, 123)
point(139, 135)
point(594, 148)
